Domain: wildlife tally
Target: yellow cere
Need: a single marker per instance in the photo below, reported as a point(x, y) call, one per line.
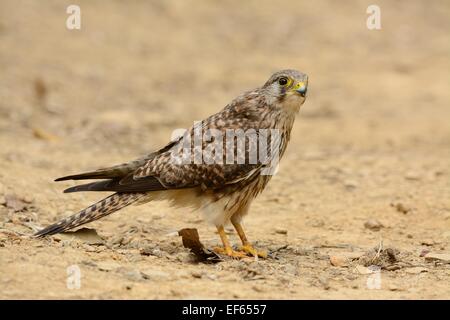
point(299, 85)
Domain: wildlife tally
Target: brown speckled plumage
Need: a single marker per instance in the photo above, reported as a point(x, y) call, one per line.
point(223, 191)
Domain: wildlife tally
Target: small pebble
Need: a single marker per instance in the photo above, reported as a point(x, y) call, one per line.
point(424, 252)
point(28, 199)
point(363, 270)
point(350, 184)
point(400, 207)
point(197, 274)
point(156, 275)
point(393, 287)
point(338, 261)
point(442, 257)
point(412, 175)
point(258, 288)
point(416, 270)
point(373, 224)
point(106, 266)
point(134, 275)
point(281, 231)
point(427, 242)
point(325, 283)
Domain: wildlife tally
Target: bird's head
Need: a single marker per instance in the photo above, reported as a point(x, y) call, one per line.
point(287, 89)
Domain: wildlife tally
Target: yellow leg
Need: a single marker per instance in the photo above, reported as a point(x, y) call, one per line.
point(246, 245)
point(226, 245)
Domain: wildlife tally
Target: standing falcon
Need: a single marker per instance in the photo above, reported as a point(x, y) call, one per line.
point(222, 188)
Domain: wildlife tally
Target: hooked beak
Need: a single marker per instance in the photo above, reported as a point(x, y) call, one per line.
point(301, 88)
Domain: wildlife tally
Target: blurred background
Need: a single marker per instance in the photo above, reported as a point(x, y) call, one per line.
point(373, 133)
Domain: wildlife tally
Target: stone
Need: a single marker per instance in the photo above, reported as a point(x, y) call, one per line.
point(281, 231)
point(416, 270)
point(350, 184)
point(338, 261)
point(155, 275)
point(442, 257)
point(134, 275)
point(363, 270)
point(412, 175)
point(107, 266)
point(373, 225)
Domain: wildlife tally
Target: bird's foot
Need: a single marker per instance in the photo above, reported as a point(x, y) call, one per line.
point(230, 252)
point(248, 249)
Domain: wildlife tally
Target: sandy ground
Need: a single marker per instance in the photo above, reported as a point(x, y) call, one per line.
point(368, 164)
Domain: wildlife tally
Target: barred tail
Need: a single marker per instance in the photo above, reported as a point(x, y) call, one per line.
point(96, 211)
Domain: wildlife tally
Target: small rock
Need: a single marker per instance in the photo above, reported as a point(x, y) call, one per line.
point(400, 207)
point(442, 257)
point(13, 202)
point(325, 283)
point(86, 235)
point(281, 231)
point(157, 253)
point(157, 216)
point(211, 276)
point(28, 199)
point(393, 287)
point(317, 223)
point(363, 270)
point(412, 175)
point(290, 269)
point(134, 275)
point(424, 252)
point(107, 266)
point(89, 263)
point(373, 224)
point(427, 242)
point(2, 200)
point(149, 251)
point(350, 184)
point(115, 241)
point(416, 270)
point(184, 257)
point(156, 275)
point(197, 274)
point(172, 234)
point(338, 261)
point(258, 288)
point(89, 248)
point(44, 135)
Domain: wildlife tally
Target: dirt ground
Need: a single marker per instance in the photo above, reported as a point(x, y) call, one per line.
point(367, 168)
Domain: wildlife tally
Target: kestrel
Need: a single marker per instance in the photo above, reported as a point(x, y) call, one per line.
point(222, 189)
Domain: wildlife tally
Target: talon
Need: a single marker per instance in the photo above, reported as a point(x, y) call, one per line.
point(230, 252)
point(249, 250)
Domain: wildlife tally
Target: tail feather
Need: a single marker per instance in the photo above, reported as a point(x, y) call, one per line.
point(96, 211)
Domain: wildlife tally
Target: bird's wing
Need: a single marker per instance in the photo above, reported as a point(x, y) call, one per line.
point(173, 175)
point(159, 171)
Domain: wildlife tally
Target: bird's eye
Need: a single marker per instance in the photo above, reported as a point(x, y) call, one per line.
point(283, 81)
